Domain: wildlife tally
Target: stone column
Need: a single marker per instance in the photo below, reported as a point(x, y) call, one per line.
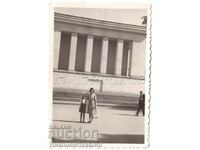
point(118, 59)
point(138, 58)
point(131, 62)
point(128, 63)
point(72, 52)
point(88, 53)
point(104, 55)
point(57, 38)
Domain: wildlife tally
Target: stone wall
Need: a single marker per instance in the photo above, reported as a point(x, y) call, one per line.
point(78, 81)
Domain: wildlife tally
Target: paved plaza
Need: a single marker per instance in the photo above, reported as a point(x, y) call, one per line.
point(113, 125)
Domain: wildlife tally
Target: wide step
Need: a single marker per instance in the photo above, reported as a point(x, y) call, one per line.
point(119, 100)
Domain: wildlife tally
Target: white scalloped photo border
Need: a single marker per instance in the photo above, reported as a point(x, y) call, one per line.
point(108, 4)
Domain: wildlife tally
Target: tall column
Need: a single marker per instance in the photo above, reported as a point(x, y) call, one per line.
point(138, 58)
point(128, 63)
point(88, 54)
point(72, 52)
point(131, 62)
point(118, 59)
point(57, 38)
point(104, 55)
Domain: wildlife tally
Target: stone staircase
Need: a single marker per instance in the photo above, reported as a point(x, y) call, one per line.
point(119, 100)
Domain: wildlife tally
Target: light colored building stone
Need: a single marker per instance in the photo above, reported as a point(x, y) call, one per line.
point(107, 56)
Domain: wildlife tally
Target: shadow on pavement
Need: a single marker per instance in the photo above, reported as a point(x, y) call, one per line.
point(108, 138)
point(122, 138)
point(54, 140)
point(119, 107)
point(67, 121)
point(126, 114)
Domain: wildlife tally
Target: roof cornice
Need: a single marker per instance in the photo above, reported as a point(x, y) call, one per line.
point(58, 17)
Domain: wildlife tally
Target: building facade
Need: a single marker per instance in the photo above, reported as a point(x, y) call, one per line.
point(108, 56)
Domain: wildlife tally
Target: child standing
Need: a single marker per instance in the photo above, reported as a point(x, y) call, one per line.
point(83, 107)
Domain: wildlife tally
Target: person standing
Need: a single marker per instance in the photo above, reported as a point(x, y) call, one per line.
point(92, 104)
point(141, 104)
point(83, 107)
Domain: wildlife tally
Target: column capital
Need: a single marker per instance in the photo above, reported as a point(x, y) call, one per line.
point(90, 36)
point(120, 40)
point(74, 34)
point(105, 38)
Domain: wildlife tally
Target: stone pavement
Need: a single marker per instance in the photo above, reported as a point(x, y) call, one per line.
point(114, 125)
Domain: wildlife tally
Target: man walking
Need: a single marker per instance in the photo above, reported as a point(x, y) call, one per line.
point(141, 103)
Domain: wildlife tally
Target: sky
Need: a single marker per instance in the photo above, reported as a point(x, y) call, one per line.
point(128, 16)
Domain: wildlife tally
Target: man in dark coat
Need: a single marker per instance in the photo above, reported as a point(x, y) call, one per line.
point(141, 103)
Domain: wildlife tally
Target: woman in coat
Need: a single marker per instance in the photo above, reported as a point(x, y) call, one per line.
point(92, 104)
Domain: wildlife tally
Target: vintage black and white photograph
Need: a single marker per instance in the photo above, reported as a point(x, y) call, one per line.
point(99, 92)
point(99, 74)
